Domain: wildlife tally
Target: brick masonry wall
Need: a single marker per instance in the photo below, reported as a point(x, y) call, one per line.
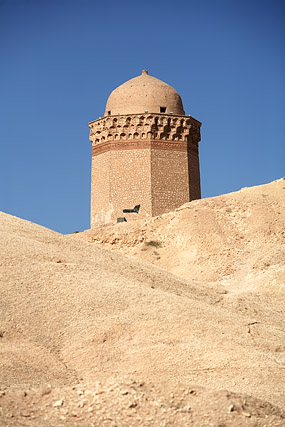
point(130, 183)
point(101, 211)
point(169, 177)
point(159, 179)
point(194, 174)
point(120, 180)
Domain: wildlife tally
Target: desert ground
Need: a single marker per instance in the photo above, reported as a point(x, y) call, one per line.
point(177, 320)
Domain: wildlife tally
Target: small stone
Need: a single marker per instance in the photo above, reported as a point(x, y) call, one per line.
point(25, 414)
point(58, 403)
point(44, 390)
point(98, 392)
point(187, 408)
point(82, 403)
point(124, 392)
point(231, 408)
point(246, 414)
point(133, 405)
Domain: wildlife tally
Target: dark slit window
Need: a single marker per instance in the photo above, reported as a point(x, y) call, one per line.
point(162, 109)
point(109, 113)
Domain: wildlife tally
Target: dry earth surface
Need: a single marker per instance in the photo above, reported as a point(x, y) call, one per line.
point(178, 321)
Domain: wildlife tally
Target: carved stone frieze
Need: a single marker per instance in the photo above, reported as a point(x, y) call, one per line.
point(142, 145)
point(146, 126)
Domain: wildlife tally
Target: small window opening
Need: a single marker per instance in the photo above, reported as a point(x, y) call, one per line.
point(109, 113)
point(162, 109)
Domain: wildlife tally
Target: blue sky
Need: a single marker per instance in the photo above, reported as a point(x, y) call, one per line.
point(60, 59)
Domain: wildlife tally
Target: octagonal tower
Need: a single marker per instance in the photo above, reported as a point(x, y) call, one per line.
point(144, 153)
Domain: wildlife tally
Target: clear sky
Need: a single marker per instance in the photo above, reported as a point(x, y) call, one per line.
point(60, 59)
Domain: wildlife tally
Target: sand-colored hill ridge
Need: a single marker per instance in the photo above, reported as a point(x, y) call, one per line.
point(90, 336)
point(235, 239)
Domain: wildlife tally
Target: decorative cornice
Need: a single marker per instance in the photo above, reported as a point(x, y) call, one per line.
point(143, 145)
point(140, 127)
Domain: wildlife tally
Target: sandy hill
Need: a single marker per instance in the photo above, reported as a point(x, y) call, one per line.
point(90, 336)
point(236, 239)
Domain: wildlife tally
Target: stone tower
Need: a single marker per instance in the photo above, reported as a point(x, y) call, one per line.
point(144, 152)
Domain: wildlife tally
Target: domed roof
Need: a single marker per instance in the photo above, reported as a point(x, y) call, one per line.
point(144, 93)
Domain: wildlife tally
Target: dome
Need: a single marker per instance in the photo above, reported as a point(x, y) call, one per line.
point(144, 94)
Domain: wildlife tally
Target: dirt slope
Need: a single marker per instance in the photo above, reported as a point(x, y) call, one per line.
point(122, 342)
point(236, 239)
